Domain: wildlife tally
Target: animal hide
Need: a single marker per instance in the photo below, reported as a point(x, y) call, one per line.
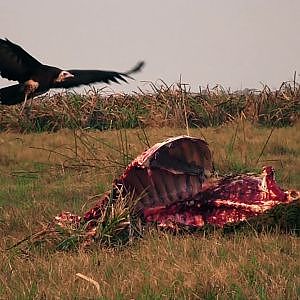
point(175, 184)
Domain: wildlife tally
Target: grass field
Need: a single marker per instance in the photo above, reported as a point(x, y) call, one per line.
point(45, 173)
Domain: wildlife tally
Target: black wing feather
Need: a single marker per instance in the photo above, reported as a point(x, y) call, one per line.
point(91, 76)
point(15, 62)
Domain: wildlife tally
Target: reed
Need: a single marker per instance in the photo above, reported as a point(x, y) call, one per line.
point(174, 106)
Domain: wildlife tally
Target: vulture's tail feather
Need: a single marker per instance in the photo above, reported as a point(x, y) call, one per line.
point(11, 95)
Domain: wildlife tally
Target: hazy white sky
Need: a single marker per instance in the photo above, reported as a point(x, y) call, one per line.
point(236, 43)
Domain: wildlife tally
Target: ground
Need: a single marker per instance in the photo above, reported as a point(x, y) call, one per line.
point(45, 173)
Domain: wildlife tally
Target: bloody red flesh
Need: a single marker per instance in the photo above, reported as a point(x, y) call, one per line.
point(175, 185)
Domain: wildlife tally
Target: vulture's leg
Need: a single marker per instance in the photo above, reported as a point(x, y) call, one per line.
point(24, 104)
point(27, 105)
point(30, 87)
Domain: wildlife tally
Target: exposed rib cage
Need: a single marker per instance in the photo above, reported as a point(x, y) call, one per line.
point(168, 172)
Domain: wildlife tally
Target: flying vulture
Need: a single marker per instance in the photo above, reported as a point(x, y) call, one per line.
point(36, 78)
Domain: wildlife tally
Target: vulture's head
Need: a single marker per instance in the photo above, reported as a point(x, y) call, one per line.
point(63, 75)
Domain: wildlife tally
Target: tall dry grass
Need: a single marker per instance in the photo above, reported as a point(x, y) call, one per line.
point(173, 106)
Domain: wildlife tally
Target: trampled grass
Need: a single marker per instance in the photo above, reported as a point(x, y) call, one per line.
point(43, 174)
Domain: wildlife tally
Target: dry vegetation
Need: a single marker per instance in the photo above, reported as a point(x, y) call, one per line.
point(171, 106)
point(45, 173)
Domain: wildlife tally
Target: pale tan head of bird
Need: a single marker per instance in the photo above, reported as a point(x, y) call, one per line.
point(63, 75)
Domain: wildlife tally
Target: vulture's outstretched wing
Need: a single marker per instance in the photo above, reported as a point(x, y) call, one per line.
point(91, 76)
point(15, 62)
